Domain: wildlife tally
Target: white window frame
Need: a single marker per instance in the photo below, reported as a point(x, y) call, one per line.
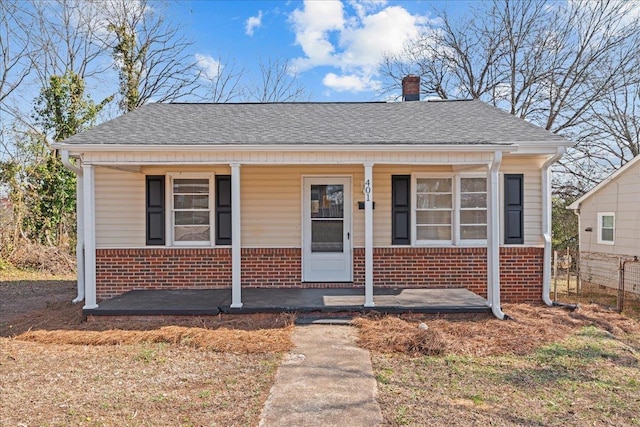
point(469, 242)
point(600, 228)
point(170, 218)
point(455, 220)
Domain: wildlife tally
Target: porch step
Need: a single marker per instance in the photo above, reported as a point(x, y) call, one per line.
point(307, 320)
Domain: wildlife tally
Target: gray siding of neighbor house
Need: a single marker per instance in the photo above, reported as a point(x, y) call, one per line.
point(599, 263)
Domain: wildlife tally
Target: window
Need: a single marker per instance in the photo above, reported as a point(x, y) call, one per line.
point(450, 210)
point(606, 227)
point(473, 208)
point(190, 209)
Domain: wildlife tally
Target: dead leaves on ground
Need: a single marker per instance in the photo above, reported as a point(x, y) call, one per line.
point(531, 326)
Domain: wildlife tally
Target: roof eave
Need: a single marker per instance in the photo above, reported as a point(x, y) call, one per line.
point(81, 148)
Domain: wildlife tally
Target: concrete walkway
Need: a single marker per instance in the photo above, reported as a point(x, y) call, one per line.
point(326, 380)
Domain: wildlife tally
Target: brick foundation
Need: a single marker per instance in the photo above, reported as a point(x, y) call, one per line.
point(122, 270)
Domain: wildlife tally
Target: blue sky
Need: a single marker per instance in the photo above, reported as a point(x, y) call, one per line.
point(335, 45)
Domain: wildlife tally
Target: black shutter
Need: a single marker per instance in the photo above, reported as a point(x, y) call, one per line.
point(401, 209)
point(155, 209)
point(223, 209)
point(513, 209)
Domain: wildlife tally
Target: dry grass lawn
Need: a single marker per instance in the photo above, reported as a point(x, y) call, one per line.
point(548, 366)
point(58, 370)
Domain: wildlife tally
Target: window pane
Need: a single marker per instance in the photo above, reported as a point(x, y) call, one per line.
point(433, 217)
point(433, 185)
point(433, 201)
point(607, 234)
point(192, 218)
point(434, 232)
point(473, 200)
point(190, 202)
point(327, 236)
point(473, 232)
point(473, 217)
point(607, 221)
point(191, 233)
point(473, 185)
point(191, 186)
point(327, 201)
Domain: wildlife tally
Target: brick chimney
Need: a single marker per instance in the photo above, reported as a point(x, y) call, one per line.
point(411, 88)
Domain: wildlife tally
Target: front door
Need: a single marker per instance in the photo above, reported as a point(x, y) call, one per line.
point(326, 240)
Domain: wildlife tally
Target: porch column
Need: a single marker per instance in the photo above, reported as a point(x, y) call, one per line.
point(236, 252)
point(89, 198)
point(80, 236)
point(368, 235)
point(493, 236)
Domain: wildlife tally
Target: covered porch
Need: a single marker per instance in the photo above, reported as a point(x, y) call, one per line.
point(210, 302)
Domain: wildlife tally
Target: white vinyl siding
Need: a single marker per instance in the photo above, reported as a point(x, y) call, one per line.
point(120, 208)
point(621, 197)
point(271, 200)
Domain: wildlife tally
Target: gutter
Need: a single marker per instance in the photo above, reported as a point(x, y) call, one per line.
point(66, 161)
point(546, 224)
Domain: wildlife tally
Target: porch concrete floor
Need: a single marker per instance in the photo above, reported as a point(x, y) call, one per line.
point(207, 302)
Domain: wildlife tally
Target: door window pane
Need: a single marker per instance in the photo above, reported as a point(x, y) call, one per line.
point(327, 236)
point(327, 201)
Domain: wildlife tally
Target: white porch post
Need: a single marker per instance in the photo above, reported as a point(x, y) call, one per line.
point(493, 236)
point(236, 253)
point(368, 235)
point(80, 236)
point(89, 197)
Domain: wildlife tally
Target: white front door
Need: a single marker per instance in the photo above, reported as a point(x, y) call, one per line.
point(326, 240)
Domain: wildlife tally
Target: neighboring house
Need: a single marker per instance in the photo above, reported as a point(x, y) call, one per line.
point(433, 194)
point(609, 226)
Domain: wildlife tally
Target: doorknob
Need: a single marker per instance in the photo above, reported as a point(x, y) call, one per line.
point(348, 235)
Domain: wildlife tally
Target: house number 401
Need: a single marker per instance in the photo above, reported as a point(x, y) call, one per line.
point(367, 190)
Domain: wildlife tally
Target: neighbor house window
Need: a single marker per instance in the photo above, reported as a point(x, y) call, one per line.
point(450, 210)
point(606, 227)
point(191, 216)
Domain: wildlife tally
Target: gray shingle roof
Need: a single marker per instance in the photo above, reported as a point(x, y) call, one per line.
point(442, 122)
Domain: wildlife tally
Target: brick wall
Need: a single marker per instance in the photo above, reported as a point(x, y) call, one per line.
point(121, 270)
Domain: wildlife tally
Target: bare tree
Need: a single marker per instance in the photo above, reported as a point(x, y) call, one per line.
point(278, 82)
point(225, 79)
point(152, 56)
point(562, 66)
point(14, 44)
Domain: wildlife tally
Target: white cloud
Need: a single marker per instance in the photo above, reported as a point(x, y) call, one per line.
point(252, 23)
point(353, 43)
point(349, 83)
point(363, 6)
point(313, 26)
point(210, 67)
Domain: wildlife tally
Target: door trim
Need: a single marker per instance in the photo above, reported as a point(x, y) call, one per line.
point(305, 234)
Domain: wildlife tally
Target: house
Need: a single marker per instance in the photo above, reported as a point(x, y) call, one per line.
point(407, 194)
point(609, 226)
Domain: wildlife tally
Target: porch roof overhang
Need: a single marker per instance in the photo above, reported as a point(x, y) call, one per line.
point(264, 154)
